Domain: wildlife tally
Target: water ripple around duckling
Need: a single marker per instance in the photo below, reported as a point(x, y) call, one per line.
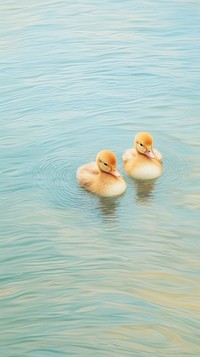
point(56, 173)
point(55, 178)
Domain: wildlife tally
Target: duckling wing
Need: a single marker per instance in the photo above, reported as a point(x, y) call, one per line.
point(129, 154)
point(87, 173)
point(157, 155)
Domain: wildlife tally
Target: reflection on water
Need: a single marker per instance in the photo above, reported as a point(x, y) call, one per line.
point(144, 191)
point(83, 275)
point(108, 207)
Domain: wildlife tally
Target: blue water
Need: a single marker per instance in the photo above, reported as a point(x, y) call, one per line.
point(82, 275)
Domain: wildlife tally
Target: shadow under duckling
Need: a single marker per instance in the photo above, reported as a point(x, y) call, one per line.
point(102, 177)
point(143, 162)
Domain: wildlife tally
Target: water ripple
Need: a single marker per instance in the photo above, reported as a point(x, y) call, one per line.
point(80, 274)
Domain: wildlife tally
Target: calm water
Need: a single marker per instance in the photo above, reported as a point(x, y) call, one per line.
point(82, 275)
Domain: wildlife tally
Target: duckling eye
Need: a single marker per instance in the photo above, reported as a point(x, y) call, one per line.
point(141, 144)
point(105, 164)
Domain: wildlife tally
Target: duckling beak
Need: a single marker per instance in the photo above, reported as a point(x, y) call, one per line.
point(115, 173)
point(150, 154)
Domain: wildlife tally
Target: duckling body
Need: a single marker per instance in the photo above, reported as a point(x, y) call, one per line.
point(143, 162)
point(102, 177)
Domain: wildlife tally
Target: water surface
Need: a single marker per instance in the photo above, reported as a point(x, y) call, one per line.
point(83, 275)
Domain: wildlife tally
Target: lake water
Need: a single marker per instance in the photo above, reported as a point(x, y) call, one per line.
point(83, 275)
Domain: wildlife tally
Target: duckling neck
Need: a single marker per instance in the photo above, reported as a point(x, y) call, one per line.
point(141, 155)
point(106, 176)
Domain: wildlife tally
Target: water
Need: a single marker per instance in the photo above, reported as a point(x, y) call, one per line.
point(82, 275)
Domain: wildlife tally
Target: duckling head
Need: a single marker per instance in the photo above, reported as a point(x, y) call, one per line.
point(144, 144)
point(107, 162)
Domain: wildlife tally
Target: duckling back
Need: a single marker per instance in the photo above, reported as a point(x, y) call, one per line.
point(87, 174)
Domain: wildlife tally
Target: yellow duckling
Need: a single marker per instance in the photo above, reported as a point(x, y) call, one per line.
point(102, 177)
point(143, 162)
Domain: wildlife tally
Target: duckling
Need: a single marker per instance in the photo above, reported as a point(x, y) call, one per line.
point(102, 177)
point(143, 162)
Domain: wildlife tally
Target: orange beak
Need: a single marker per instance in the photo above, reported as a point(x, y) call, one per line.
point(150, 154)
point(115, 173)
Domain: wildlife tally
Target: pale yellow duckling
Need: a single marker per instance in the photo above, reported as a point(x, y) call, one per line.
point(102, 177)
point(143, 162)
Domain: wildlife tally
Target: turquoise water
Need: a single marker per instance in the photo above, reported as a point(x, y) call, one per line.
point(82, 275)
